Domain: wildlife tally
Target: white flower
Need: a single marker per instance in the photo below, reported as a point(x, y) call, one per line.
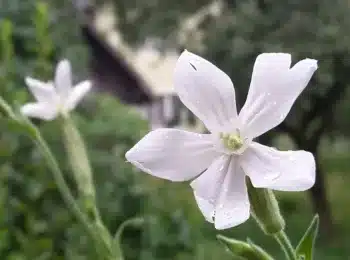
point(55, 98)
point(221, 160)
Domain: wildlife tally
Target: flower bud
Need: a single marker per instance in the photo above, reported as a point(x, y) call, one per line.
point(265, 210)
point(80, 165)
point(243, 250)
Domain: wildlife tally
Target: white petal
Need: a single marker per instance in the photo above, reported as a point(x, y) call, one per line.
point(173, 154)
point(63, 78)
point(39, 110)
point(233, 206)
point(77, 94)
point(206, 207)
point(286, 171)
point(42, 91)
point(274, 88)
point(206, 90)
point(208, 184)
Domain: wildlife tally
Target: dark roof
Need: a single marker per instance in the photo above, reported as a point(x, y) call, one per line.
point(111, 72)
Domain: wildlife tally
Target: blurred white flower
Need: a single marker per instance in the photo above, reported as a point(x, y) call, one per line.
point(220, 161)
point(54, 98)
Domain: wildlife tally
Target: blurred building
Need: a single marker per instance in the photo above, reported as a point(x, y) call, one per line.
point(139, 77)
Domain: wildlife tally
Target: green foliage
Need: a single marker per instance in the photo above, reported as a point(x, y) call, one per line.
point(36, 223)
point(306, 245)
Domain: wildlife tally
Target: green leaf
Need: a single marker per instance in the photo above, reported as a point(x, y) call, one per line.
point(305, 248)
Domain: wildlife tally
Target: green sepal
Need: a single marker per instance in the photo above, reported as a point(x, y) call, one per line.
point(304, 250)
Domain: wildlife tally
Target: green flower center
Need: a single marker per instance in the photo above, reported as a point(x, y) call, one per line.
point(232, 142)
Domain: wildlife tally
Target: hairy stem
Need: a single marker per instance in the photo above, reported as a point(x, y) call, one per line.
point(285, 244)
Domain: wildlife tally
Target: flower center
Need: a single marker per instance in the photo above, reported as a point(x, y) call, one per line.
point(232, 142)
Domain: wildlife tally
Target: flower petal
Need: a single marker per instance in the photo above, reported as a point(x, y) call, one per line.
point(286, 171)
point(39, 110)
point(233, 206)
point(173, 154)
point(63, 78)
point(78, 92)
point(207, 208)
point(206, 90)
point(208, 184)
point(274, 88)
point(42, 91)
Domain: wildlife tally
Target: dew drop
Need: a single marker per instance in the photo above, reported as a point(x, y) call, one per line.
point(274, 103)
point(272, 176)
point(213, 216)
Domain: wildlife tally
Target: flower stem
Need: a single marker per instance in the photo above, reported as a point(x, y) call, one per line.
point(285, 244)
point(34, 133)
point(63, 187)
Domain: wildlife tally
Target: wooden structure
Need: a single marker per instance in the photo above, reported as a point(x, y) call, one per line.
point(110, 72)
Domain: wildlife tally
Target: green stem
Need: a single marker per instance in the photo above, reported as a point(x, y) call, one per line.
point(7, 109)
point(63, 187)
point(285, 244)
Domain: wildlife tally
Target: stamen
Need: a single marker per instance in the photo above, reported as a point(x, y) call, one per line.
point(232, 142)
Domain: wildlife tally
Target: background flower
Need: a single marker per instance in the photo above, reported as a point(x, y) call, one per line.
point(54, 98)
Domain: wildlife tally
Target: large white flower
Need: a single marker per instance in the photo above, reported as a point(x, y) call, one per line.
point(219, 162)
point(54, 98)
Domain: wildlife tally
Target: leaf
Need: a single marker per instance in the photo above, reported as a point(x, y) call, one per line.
point(304, 250)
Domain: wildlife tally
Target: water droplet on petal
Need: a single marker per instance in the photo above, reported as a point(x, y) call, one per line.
point(213, 215)
point(272, 176)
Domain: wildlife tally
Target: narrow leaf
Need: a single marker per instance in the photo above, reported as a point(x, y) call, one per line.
point(116, 244)
point(306, 245)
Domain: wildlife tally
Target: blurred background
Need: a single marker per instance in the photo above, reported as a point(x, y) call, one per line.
point(128, 48)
